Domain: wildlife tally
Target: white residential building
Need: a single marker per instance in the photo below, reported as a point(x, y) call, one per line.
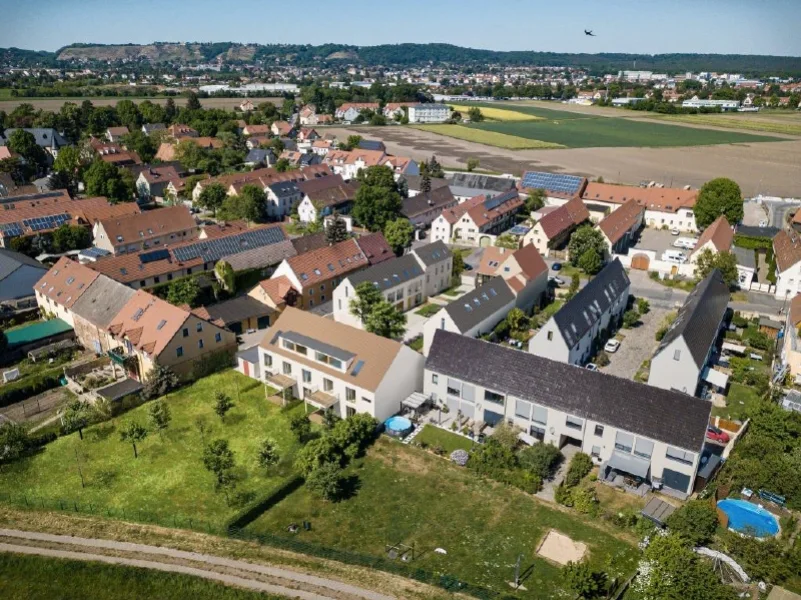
point(665, 208)
point(429, 113)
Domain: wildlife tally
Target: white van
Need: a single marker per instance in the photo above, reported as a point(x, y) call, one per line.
point(686, 243)
point(674, 256)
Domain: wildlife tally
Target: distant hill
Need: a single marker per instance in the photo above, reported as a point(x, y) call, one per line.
point(404, 55)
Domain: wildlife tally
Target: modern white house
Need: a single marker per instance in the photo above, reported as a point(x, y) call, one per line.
point(332, 366)
point(429, 113)
point(405, 282)
point(681, 361)
point(474, 314)
point(524, 271)
point(575, 333)
point(629, 428)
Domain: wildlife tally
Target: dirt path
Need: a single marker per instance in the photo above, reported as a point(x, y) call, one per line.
point(240, 573)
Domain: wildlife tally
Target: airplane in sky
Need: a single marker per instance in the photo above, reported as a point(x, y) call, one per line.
point(589, 33)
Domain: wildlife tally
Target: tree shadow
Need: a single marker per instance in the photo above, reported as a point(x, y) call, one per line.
point(100, 433)
point(234, 419)
point(350, 488)
point(528, 572)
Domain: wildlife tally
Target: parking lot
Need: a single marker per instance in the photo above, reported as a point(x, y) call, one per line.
point(658, 241)
point(637, 345)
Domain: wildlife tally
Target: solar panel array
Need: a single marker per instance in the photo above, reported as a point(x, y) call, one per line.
point(519, 230)
point(552, 182)
point(148, 257)
point(214, 250)
point(48, 222)
point(496, 201)
point(10, 229)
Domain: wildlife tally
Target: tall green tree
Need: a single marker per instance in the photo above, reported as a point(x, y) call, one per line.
point(76, 417)
point(386, 320)
point(161, 380)
point(696, 521)
point(535, 200)
point(222, 404)
point(69, 166)
point(399, 234)
point(337, 230)
point(212, 197)
point(250, 204)
point(474, 114)
point(327, 481)
point(268, 453)
point(160, 416)
point(129, 114)
point(377, 201)
point(590, 262)
point(367, 296)
point(24, 143)
point(104, 179)
point(192, 101)
point(135, 434)
point(71, 237)
point(143, 145)
point(218, 458)
point(726, 262)
point(184, 291)
point(14, 441)
point(583, 239)
point(582, 581)
point(720, 196)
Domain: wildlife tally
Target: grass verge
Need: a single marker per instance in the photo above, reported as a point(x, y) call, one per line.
point(490, 138)
point(434, 436)
point(740, 400)
point(428, 310)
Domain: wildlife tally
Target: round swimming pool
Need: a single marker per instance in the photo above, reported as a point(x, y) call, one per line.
point(748, 518)
point(398, 426)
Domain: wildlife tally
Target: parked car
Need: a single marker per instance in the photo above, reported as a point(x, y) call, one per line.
point(556, 266)
point(612, 346)
point(717, 435)
point(675, 231)
point(557, 281)
point(591, 367)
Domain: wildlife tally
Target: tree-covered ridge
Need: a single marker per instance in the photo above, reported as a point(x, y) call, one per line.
point(420, 54)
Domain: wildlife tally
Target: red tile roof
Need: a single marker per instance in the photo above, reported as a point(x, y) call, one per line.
point(566, 216)
point(375, 248)
point(65, 282)
point(787, 249)
point(719, 233)
point(619, 221)
point(149, 224)
point(652, 198)
point(148, 322)
point(326, 263)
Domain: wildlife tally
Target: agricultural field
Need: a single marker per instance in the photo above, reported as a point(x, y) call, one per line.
point(780, 123)
point(167, 481)
point(405, 495)
point(7, 103)
point(491, 138)
point(496, 114)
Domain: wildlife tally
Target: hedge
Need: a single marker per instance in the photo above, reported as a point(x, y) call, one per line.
point(752, 242)
point(25, 388)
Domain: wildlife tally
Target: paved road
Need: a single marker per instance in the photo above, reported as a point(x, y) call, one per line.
point(778, 210)
point(248, 575)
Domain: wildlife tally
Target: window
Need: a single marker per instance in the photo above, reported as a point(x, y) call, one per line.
point(523, 409)
point(434, 378)
point(624, 441)
point(574, 423)
point(442, 323)
point(677, 355)
point(537, 433)
point(199, 327)
point(218, 337)
point(350, 394)
point(200, 344)
point(301, 349)
point(550, 336)
point(493, 397)
point(287, 368)
point(643, 448)
point(596, 452)
point(540, 415)
point(306, 376)
point(599, 431)
point(179, 351)
point(681, 456)
point(454, 388)
point(328, 385)
point(268, 360)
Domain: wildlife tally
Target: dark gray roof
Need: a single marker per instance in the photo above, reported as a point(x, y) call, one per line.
point(752, 231)
point(432, 253)
point(582, 311)
point(102, 300)
point(18, 275)
point(671, 417)
point(439, 198)
point(258, 155)
point(260, 258)
point(372, 145)
point(235, 310)
point(309, 242)
point(120, 389)
point(482, 182)
point(284, 188)
point(148, 127)
point(389, 273)
point(306, 160)
point(10, 261)
point(477, 306)
point(46, 137)
point(415, 182)
point(699, 319)
point(745, 257)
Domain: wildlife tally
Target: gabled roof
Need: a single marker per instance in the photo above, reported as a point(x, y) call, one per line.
point(719, 233)
point(699, 319)
point(160, 174)
point(309, 242)
point(585, 309)
point(555, 185)
point(795, 310)
point(484, 183)
point(375, 248)
point(491, 259)
point(475, 307)
point(46, 137)
point(437, 199)
point(10, 261)
point(431, 254)
point(565, 217)
point(415, 182)
point(261, 257)
point(389, 273)
point(326, 263)
point(148, 322)
point(484, 208)
point(530, 260)
point(118, 131)
point(372, 145)
point(621, 220)
point(670, 417)
point(329, 191)
point(149, 224)
point(102, 301)
point(25, 270)
point(652, 198)
point(787, 249)
point(66, 282)
point(277, 288)
point(233, 310)
point(369, 357)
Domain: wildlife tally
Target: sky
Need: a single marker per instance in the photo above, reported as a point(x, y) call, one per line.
point(631, 26)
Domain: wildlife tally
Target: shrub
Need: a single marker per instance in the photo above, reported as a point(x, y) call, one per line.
point(17, 391)
point(460, 457)
point(584, 500)
point(540, 459)
point(580, 466)
point(327, 481)
point(602, 359)
point(696, 521)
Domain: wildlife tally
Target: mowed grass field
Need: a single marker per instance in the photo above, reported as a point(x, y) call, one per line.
point(168, 480)
point(788, 124)
point(24, 577)
point(496, 114)
point(556, 128)
point(491, 138)
point(409, 496)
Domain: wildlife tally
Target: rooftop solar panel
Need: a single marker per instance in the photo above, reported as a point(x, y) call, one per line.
point(555, 182)
point(48, 222)
point(11, 229)
point(215, 249)
point(148, 257)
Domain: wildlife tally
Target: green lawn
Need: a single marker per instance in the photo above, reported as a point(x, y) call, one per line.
point(739, 401)
point(428, 309)
point(41, 578)
point(434, 436)
point(168, 479)
point(409, 496)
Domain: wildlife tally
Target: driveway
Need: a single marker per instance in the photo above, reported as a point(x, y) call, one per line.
point(658, 240)
point(549, 485)
point(638, 344)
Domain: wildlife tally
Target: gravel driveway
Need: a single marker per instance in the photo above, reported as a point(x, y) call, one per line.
point(639, 344)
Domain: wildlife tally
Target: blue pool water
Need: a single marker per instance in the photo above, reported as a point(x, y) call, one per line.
point(748, 518)
point(398, 425)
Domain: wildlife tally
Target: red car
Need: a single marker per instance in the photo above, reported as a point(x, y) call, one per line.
point(717, 435)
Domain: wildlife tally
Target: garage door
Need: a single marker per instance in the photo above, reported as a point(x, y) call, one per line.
point(640, 261)
point(236, 327)
point(675, 480)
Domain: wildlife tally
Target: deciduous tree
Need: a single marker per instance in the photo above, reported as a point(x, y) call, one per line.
point(337, 230)
point(76, 417)
point(160, 416)
point(377, 201)
point(219, 459)
point(300, 426)
point(161, 380)
point(367, 296)
point(720, 196)
point(134, 433)
point(212, 197)
point(583, 239)
point(183, 291)
point(268, 453)
point(725, 262)
point(222, 404)
point(399, 234)
point(327, 481)
point(104, 179)
point(386, 320)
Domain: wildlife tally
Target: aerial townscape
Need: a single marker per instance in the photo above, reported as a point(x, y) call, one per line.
point(389, 320)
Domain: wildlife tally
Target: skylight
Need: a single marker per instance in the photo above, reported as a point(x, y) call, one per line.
point(161, 325)
point(357, 368)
